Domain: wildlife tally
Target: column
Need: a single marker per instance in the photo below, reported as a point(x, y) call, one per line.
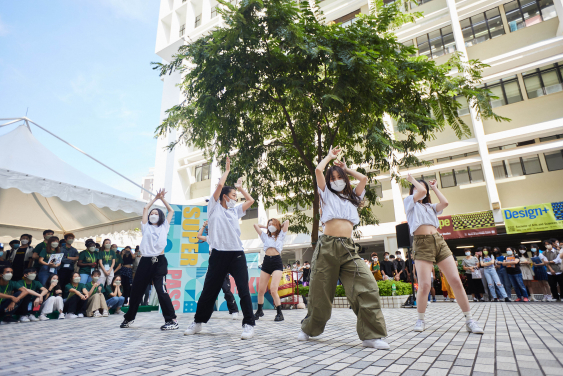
point(396, 190)
point(214, 175)
point(262, 220)
point(559, 10)
point(478, 129)
point(205, 12)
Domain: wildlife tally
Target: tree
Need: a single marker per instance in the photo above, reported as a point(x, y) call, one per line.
point(281, 86)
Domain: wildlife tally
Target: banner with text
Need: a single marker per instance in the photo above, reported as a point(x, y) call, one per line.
point(532, 218)
point(467, 225)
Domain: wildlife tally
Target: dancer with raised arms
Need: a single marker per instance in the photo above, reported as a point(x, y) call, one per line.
point(227, 254)
point(272, 265)
point(153, 266)
point(336, 256)
point(430, 247)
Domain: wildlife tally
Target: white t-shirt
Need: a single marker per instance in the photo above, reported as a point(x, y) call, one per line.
point(557, 260)
point(420, 214)
point(154, 238)
point(270, 242)
point(224, 229)
point(335, 207)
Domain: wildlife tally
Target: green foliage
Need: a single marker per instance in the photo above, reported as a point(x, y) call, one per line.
point(340, 292)
point(281, 86)
point(385, 289)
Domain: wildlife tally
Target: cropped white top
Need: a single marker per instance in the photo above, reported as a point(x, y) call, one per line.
point(419, 214)
point(270, 242)
point(335, 207)
point(154, 238)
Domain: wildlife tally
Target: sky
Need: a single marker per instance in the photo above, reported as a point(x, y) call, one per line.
point(82, 70)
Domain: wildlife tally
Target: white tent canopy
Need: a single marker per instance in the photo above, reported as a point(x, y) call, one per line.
point(39, 191)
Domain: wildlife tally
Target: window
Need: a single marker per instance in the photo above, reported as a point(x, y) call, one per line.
point(554, 160)
point(550, 138)
point(482, 27)
point(464, 110)
point(348, 19)
point(197, 21)
point(214, 11)
point(436, 43)
point(517, 167)
point(543, 81)
point(457, 156)
point(512, 146)
point(202, 172)
point(182, 29)
point(461, 175)
point(251, 214)
point(523, 13)
point(507, 90)
point(378, 190)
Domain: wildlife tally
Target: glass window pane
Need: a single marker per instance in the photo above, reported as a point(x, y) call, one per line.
point(547, 9)
point(495, 23)
point(498, 170)
point(476, 174)
point(514, 167)
point(448, 38)
point(512, 90)
point(467, 31)
point(205, 173)
point(428, 178)
point(513, 16)
point(464, 110)
point(480, 28)
point(533, 86)
point(532, 164)
point(423, 46)
point(531, 12)
point(447, 179)
point(198, 173)
point(554, 160)
point(462, 176)
point(551, 81)
point(497, 92)
point(444, 159)
point(436, 43)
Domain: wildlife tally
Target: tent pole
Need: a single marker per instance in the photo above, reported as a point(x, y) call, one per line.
point(10, 122)
point(89, 156)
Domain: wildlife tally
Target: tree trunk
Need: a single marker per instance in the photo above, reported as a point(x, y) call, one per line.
point(316, 205)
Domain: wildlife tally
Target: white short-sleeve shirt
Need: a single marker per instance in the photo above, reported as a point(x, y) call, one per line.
point(154, 238)
point(270, 242)
point(419, 214)
point(224, 229)
point(335, 207)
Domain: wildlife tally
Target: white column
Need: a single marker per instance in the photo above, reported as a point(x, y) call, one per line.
point(214, 176)
point(559, 10)
point(478, 129)
point(398, 205)
point(262, 220)
point(205, 12)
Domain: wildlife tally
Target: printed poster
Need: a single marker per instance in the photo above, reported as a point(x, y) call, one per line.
point(533, 218)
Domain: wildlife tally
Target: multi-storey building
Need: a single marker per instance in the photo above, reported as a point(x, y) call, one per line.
point(502, 164)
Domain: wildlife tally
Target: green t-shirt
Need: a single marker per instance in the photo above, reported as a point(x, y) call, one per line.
point(46, 255)
point(69, 294)
point(87, 257)
point(33, 285)
point(107, 257)
point(38, 249)
point(89, 287)
point(118, 261)
point(109, 290)
point(9, 288)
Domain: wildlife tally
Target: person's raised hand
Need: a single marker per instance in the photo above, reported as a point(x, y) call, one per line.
point(432, 184)
point(342, 165)
point(238, 184)
point(228, 164)
point(333, 153)
point(410, 179)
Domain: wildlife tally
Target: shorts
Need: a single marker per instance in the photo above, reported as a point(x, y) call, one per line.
point(272, 263)
point(431, 248)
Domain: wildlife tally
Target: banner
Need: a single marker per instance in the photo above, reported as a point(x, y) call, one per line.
point(532, 218)
point(467, 225)
point(188, 259)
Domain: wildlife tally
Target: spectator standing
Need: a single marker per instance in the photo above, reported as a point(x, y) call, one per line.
point(4, 259)
point(48, 267)
point(540, 272)
point(87, 261)
point(553, 264)
point(11, 296)
point(471, 266)
point(387, 267)
point(512, 263)
point(375, 267)
point(118, 261)
point(106, 261)
point(70, 256)
point(527, 274)
point(20, 255)
point(487, 262)
point(76, 297)
point(502, 271)
point(53, 300)
point(34, 261)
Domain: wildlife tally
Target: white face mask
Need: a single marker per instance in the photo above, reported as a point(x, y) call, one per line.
point(25, 241)
point(386, 257)
point(509, 253)
point(230, 203)
point(522, 251)
point(117, 283)
point(272, 229)
point(533, 249)
point(107, 246)
point(549, 246)
point(95, 279)
point(91, 249)
point(152, 218)
point(70, 241)
point(76, 279)
point(54, 245)
point(47, 236)
point(415, 191)
point(338, 185)
point(468, 253)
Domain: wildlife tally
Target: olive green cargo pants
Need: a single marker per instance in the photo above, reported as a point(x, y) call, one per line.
point(336, 258)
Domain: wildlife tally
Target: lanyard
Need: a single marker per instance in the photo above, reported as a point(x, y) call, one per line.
point(91, 257)
point(25, 284)
point(5, 290)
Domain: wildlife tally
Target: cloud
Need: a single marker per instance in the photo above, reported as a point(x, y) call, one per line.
point(3, 28)
point(140, 10)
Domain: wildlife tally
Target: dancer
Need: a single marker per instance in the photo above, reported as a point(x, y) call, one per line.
point(272, 265)
point(226, 287)
point(153, 266)
point(336, 257)
point(227, 254)
point(429, 248)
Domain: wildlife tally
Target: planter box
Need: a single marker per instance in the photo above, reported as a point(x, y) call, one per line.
point(393, 301)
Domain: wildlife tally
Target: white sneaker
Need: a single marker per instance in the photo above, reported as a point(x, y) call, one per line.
point(193, 329)
point(544, 298)
point(80, 315)
point(376, 344)
point(119, 311)
point(419, 326)
point(234, 315)
point(71, 316)
point(430, 301)
point(43, 318)
point(24, 319)
point(96, 314)
point(302, 336)
point(247, 331)
point(446, 299)
point(61, 316)
point(473, 327)
point(32, 318)
point(453, 300)
point(105, 314)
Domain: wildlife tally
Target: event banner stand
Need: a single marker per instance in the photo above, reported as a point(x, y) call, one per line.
point(188, 259)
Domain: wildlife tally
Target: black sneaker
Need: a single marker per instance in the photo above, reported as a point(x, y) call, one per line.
point(170, 325)
point(507, 300)
point(9, 320)
point(126, 324)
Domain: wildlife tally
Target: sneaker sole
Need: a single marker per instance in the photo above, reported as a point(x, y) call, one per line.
point(247, 337)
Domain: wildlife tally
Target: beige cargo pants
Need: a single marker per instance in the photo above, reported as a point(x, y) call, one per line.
point(336, 258)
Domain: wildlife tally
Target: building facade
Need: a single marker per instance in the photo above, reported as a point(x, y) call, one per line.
point(501, 165)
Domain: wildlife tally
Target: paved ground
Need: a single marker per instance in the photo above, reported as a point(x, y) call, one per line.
point(520, 339)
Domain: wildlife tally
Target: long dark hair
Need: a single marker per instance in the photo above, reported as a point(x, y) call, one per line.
point(425, 200)
point(161, 217)
point(347, 193)
point(225, 191)
point(57, 286)
point(277, 225)
point(49, 248)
